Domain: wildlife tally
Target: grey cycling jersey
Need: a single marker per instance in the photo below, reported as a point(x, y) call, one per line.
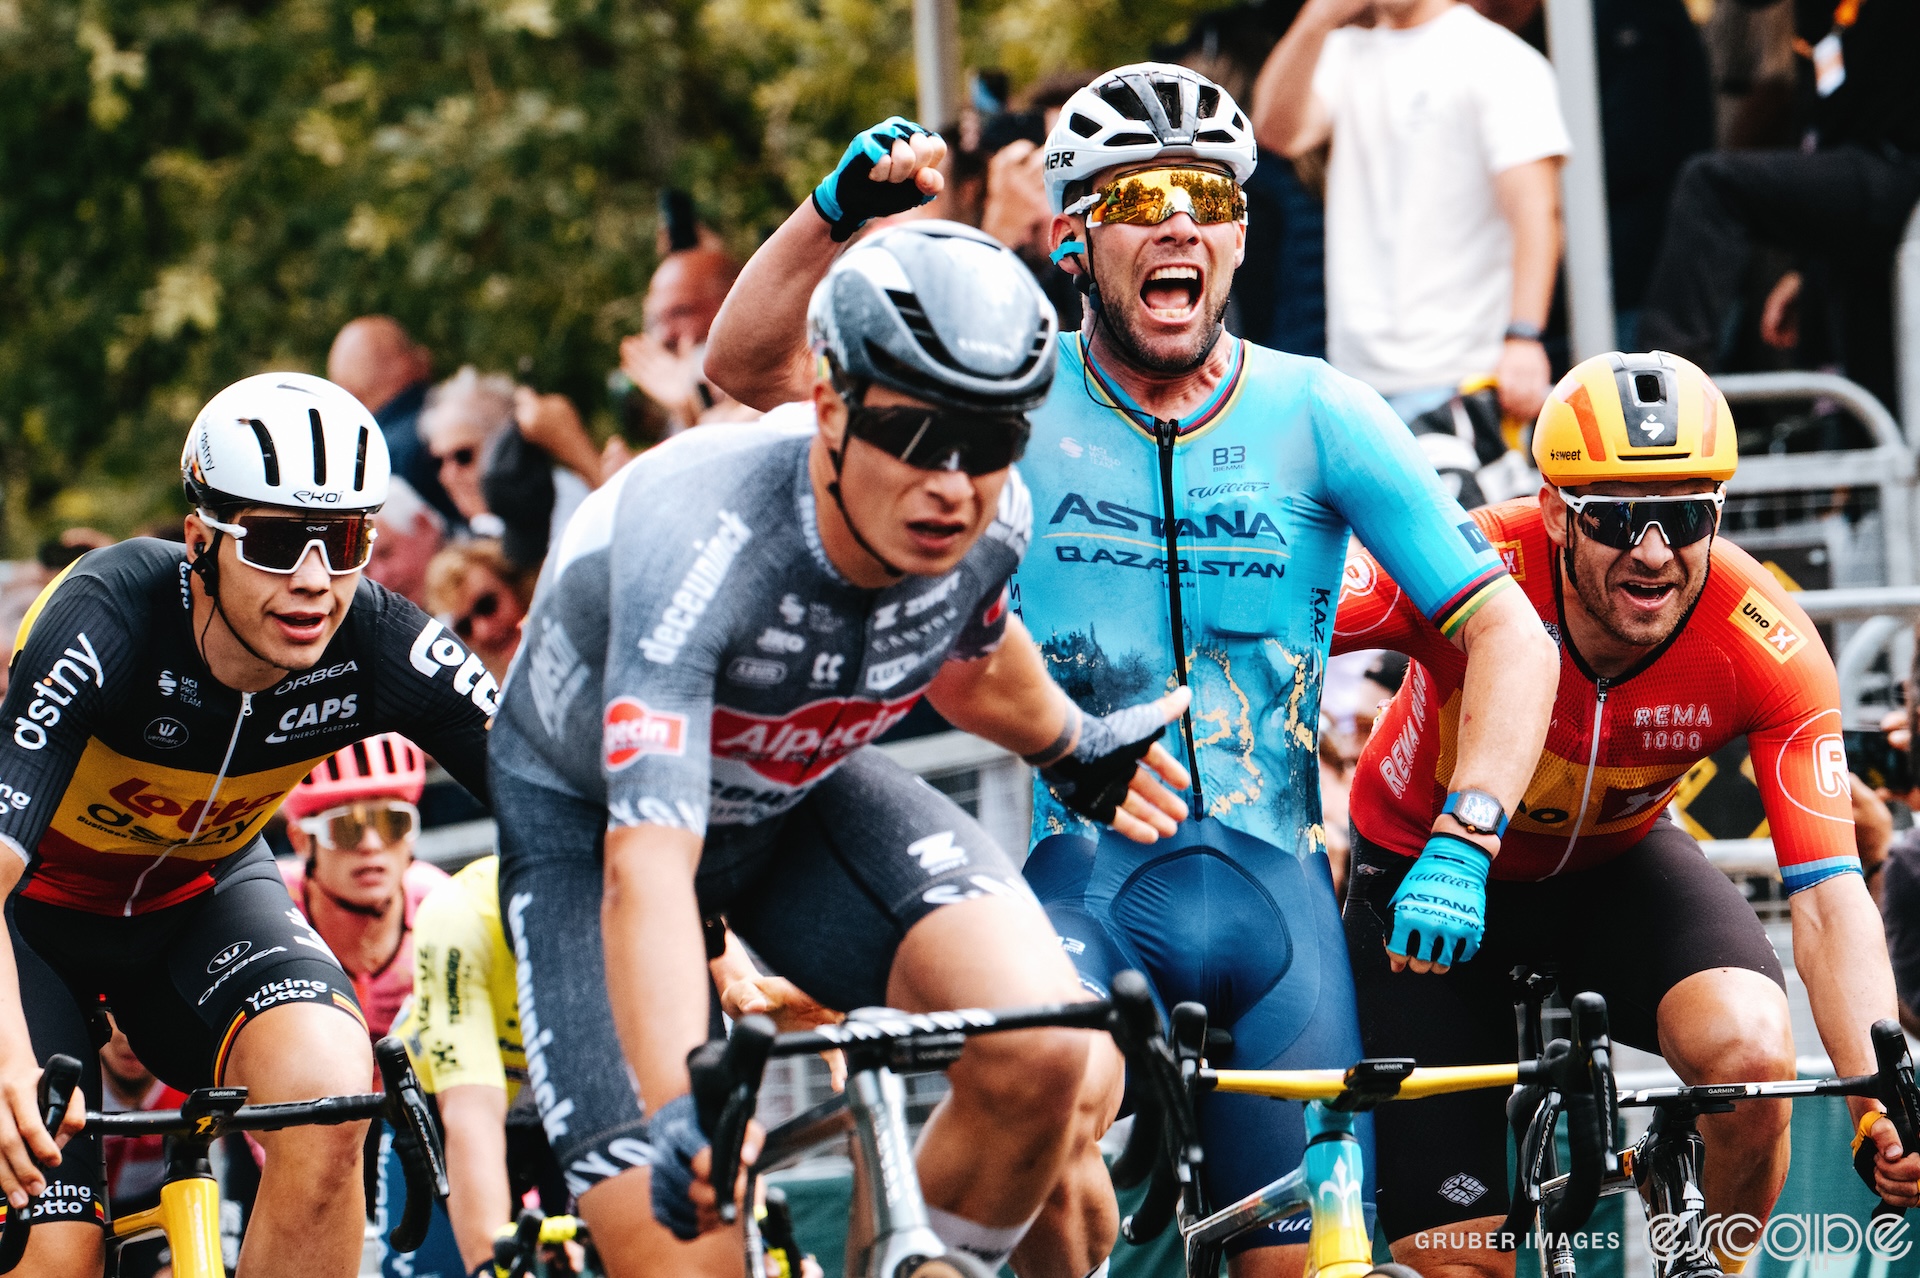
point(692, 659)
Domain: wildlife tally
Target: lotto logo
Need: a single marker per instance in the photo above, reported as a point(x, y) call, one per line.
point(631, 730)
point(1768, 626)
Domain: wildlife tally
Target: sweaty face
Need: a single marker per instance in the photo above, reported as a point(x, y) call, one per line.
point(1638, 596)
point(288, 618)
point(1164, 288)
point(921, 521)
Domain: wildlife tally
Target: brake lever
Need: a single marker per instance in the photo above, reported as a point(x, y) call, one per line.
point(726, 1091)
point(417, 1142)
point(1897, 1092)
point(58, 1078)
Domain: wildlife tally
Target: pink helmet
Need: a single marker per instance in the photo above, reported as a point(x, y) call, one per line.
point(384, 767)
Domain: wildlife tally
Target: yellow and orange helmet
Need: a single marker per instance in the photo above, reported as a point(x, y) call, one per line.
point(1650, 416)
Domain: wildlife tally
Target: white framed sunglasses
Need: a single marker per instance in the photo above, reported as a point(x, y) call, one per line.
point(1620, 522)
point(346, 826)
point(278, 543)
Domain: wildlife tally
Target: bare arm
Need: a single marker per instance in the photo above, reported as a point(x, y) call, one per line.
point(1008, 698)
point(20, 1126)
point(656, 956)
point(1513, 672)
point(479, 1196)
point(1529, 197)
point(757, 348)
point(1287, 115)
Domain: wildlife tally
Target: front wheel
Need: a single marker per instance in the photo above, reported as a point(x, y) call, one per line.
point(952, 1265)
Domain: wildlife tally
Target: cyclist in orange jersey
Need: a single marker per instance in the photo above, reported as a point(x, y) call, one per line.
point(1674, 642)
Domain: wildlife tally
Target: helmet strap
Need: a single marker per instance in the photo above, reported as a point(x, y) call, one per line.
point(851, 398)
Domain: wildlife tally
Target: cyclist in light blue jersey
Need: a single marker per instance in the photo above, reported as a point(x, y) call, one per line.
point(1166, 440)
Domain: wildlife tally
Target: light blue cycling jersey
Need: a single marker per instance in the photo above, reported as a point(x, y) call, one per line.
point(1265, 479)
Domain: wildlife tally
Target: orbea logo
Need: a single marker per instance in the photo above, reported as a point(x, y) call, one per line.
point(631, 730)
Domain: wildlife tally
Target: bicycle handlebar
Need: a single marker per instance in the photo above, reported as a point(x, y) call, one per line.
point(726, 1091)
point(1584, 1077)
point(1897, 1092)
point(212, 1112)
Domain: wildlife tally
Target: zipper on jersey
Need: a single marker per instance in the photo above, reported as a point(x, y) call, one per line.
point(220, 778)
point(1166, 433)
point(1593, 761)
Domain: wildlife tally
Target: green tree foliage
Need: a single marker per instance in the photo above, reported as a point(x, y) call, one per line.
point(194, 191)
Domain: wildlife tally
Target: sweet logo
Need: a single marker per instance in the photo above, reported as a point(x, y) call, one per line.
point(1767, 625)
point(631, 730)
point(806, 743)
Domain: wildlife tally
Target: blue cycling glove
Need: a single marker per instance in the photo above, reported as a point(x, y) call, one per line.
point(847, 197)
point(674, 1132)
point(1443, 902)
point(1093, 778)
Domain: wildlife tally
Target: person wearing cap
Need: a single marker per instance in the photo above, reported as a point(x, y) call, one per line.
point(725, 627)
point(166, 698)
point(1675, 642)
point(1169, 441)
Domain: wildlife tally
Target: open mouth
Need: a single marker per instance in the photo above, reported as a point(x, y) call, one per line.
point(301, 627)
point(1649, 596)
point(1172, 293)
point(935, 535)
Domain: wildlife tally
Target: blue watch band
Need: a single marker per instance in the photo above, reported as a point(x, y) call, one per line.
point(1454, 799)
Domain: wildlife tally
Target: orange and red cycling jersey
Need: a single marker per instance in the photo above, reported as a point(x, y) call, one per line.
point(1746, 661)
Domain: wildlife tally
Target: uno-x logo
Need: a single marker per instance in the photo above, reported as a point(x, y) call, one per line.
point(1767, 625)
point(631, 730)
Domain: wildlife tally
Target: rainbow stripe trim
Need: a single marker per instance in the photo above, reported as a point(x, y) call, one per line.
point(1470, 598)
point(1212, 412)
point(1798, 878)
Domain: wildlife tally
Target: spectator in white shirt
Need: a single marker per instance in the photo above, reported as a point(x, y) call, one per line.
point(1443, 192)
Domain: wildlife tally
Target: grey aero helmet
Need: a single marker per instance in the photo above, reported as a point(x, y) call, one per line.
point(941, 312)
point(1144, 112)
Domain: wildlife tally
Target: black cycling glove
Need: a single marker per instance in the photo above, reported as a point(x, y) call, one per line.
point(1093, 777)
point(848, 197)
point(674, 1132)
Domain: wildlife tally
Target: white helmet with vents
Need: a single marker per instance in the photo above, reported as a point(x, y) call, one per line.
point(1144, 112)
point(285, 439)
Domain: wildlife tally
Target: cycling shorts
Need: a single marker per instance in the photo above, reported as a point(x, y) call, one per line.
point(180, 981)
point(1218, 917)
point(1630, 929)
point(825, 900)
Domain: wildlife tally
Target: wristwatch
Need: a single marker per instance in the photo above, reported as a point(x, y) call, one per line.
point(1521, 331)
point(1476, 810)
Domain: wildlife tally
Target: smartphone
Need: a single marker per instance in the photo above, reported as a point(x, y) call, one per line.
point(1872, 758)
point(683, 228)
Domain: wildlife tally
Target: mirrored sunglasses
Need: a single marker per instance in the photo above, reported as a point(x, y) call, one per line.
point(278, 543)
point(391, 820)
point(940, 439)
point(1620, 522)
point(1151, 196)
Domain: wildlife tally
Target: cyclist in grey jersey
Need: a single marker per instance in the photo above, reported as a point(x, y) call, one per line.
point(722, 630)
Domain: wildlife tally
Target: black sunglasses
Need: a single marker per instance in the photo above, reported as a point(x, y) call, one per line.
point(941, 439)
point(485, 606)
point(1620, 522)
point(460, 457)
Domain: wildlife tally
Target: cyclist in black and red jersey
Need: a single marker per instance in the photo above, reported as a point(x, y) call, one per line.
point(164, 700)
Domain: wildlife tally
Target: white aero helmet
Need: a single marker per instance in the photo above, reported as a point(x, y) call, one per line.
point(285, 439)
point(1143, 112)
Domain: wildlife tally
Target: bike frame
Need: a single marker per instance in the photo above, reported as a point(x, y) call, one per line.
point(1327, 1183)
